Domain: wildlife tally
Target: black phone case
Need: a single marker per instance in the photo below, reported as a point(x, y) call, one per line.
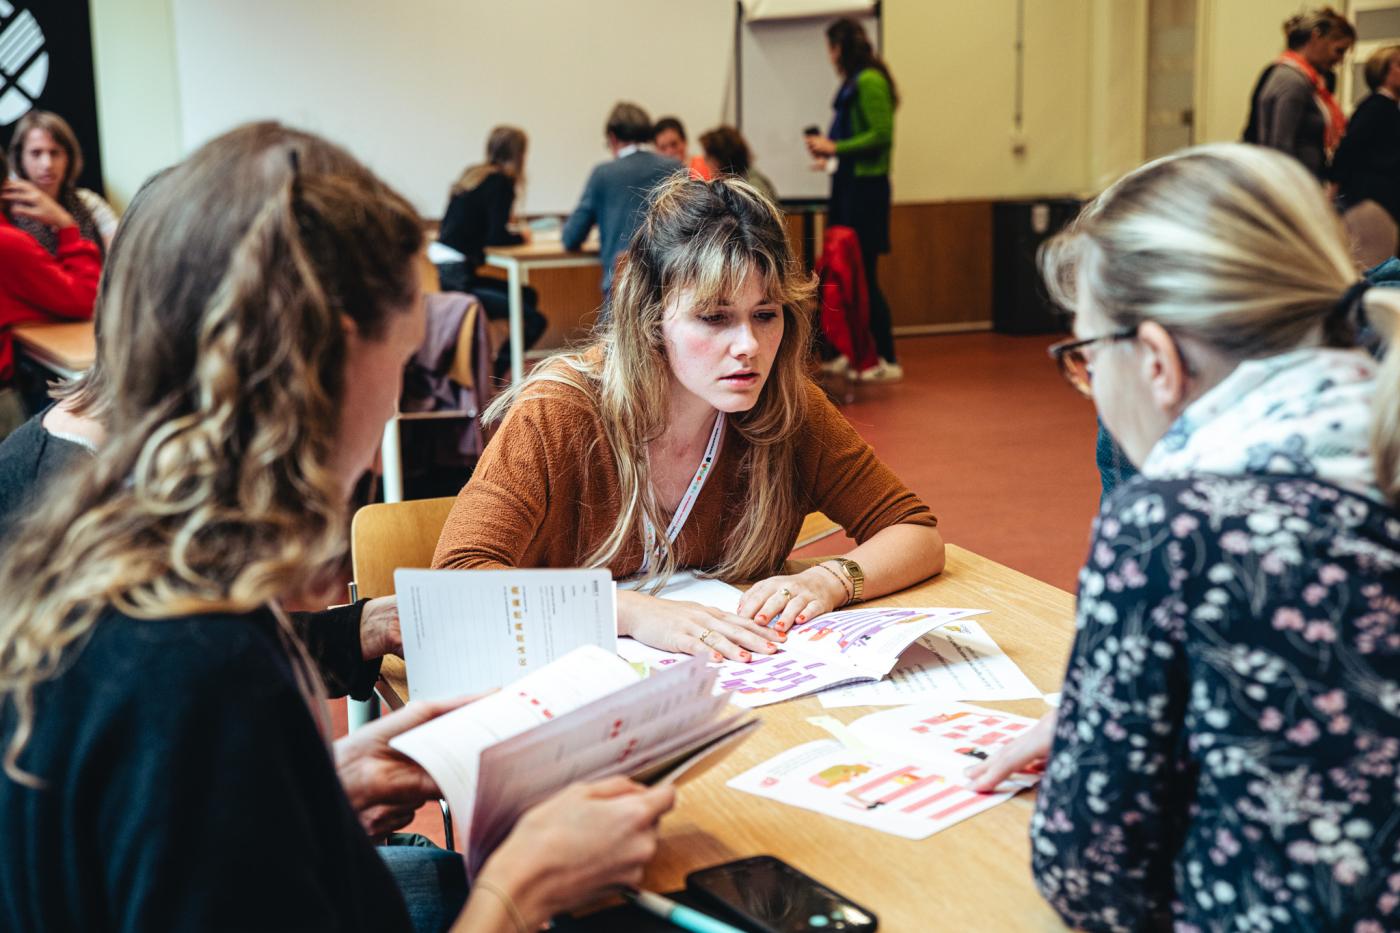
point(730, 913)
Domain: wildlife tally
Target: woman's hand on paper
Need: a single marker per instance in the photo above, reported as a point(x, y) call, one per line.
point(782, 602)
point(379, 628)
point(692, 628)
point(583, 843)
point(384, 786)
point(1026, 752)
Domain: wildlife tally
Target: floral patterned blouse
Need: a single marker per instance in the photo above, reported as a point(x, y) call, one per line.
point(1226, 749)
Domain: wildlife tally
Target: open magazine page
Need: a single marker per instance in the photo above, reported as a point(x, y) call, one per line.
point(903, 772)
point(449, 747)
point(870, 639)
point(957, 661)
point(614, 734)
point(470, 630)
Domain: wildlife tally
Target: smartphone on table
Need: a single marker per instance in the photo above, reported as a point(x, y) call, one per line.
point(770, 896)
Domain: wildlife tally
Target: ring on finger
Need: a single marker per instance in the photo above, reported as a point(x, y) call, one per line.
point(786, 594)
point(705, 638)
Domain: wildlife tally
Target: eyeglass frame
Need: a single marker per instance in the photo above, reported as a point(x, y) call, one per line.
point(1060, 351)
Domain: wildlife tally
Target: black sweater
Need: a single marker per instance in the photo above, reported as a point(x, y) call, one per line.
point(479, 218)
point(188, 788)
point(31, 457)
point(1367, 163)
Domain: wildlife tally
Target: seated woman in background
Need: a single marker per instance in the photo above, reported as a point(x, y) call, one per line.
point(44, 154)
point(35, 286)
point(163, 738)
point(478, 215)
point(669, 139)
point(1225, 753)
point(688, 435)
point(726, 153)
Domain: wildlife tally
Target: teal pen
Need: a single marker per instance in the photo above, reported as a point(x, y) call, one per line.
point(686, 918)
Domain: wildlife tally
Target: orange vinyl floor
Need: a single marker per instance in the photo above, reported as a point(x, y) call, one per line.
point(986, 431)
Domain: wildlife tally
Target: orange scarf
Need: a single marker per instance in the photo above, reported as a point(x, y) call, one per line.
point(1331, 110)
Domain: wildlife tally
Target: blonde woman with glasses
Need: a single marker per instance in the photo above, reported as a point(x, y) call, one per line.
point(166, 757)
point(687, 435)
point(1225, 752)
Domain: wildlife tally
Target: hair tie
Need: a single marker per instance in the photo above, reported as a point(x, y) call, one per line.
point(1349, 306)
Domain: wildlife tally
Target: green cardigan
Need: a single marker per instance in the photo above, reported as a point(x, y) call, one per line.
point(872, 125)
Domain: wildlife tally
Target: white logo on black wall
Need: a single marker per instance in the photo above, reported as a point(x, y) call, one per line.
point(24, 65)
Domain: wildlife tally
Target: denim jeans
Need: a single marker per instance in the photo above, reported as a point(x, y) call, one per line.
point(433, 883)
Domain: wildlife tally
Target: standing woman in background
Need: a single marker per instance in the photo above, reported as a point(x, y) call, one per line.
point(861, 138)
point(478, 215)
point(45, 155)
point(1293, 109)
point(1367, 164)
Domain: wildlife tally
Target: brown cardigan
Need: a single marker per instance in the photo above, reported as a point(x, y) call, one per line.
point(545, 491)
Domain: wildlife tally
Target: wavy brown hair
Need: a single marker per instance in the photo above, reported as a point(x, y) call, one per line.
point(709, 237)
point(224, 344)
point(505, 153)
point(62, 133)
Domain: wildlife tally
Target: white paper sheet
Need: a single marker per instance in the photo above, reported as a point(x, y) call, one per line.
point(905, 776)
point(958, 661)
point(470, 630)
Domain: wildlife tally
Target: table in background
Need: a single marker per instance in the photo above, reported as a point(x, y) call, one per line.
point(65, 349)
point(973, 876)
point(545, 251)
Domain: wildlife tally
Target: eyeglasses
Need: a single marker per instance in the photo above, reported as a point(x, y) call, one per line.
point(1069, 355)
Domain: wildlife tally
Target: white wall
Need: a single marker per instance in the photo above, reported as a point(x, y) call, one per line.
point(413, 88)
point(138, 109)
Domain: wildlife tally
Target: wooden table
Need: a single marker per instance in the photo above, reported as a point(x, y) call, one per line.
point(974, 876)
point(66, 349)
point(545, 251)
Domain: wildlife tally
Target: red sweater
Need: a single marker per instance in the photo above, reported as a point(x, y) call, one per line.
point(37, 287)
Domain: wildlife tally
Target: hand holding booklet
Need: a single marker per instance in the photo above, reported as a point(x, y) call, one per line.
point(583, 717)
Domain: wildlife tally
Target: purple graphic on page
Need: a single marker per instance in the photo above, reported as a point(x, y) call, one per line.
point(855, 627)
point(777, 674)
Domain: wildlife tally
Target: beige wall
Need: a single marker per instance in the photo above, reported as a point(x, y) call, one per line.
point(138, 107)
point(956, 64)
point(1237, 39)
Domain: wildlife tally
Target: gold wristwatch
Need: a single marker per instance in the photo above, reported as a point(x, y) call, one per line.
point(856, 574)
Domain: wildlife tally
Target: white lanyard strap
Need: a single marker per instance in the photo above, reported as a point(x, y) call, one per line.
point(697, 483)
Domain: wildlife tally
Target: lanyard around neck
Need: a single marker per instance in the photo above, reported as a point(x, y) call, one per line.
point(692, 492)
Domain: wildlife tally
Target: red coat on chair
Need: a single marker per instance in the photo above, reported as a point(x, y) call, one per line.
point(845, 301)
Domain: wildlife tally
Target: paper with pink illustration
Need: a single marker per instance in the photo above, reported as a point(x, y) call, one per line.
point(900, 771)
point(850, 646)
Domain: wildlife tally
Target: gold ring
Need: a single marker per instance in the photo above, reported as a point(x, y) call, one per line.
point(786, 594)
point(704, 638)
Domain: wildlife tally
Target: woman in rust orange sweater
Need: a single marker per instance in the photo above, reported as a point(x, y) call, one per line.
point(687, 435)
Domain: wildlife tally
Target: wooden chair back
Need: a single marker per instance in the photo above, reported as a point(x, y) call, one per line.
point(387, 535)
point(815, 527)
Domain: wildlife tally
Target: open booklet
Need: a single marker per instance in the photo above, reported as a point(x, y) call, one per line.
point(465, 631)
point(900, 770)
point(585, 716)
point(845, 647)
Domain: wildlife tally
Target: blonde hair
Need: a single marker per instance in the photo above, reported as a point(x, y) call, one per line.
point(505, 153)
point(1378, 66)
point(1233, 246)
point(224, 343)
point(709, 237)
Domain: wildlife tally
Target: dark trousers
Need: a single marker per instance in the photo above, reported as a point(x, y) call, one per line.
point(881, 327)
point(494, 297)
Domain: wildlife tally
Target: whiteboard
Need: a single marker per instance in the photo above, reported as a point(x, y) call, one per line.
point(787, 83)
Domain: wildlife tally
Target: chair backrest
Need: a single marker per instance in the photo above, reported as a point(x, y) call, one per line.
point(815, 527)
point(388, 535)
